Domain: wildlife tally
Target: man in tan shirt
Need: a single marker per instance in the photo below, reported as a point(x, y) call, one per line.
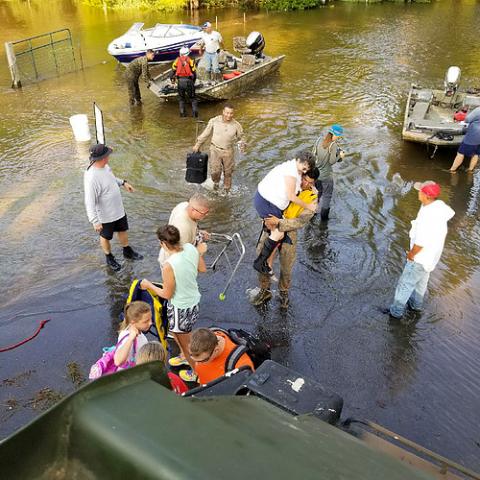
point(225, 131)
point(185, 216)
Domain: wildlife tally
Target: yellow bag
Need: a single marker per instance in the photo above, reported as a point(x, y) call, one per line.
point(158, 306)
point(294, 210)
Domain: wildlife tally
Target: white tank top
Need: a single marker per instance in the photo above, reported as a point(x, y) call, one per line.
point(272, 188)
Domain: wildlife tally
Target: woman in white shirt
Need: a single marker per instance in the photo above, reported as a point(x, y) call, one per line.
point(274, 193)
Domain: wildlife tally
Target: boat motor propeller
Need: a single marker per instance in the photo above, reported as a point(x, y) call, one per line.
point(452, 81)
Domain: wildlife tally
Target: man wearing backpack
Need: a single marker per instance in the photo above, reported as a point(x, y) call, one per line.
point(183, 71)
point(215, 354)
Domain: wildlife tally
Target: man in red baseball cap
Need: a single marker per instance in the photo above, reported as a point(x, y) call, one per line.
point(427, 237)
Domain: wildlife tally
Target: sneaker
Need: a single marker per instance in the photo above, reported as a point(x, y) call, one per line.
point(284, 300)
point(112, 263)
point(262, 296)
point(188, 375)
point(177, 361)
point(131, 254)
point(386, 311)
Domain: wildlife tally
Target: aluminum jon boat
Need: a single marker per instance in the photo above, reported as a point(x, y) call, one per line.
point(430, 113)
point(164, 39)
point(238, 73)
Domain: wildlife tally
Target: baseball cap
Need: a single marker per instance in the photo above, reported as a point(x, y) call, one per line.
point(429, 188)
point(336, 130)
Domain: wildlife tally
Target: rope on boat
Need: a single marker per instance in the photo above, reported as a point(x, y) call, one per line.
point(11, 347)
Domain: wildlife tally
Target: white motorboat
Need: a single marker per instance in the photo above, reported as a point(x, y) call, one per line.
point(164, 39)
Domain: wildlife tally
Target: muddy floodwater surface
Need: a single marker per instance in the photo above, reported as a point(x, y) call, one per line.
point(347, 63)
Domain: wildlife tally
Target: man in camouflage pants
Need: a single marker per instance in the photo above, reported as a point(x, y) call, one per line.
point(135, 69)
point(288, 251)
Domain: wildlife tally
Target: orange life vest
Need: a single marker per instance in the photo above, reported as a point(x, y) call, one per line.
point(460, 116)
point(183, 67)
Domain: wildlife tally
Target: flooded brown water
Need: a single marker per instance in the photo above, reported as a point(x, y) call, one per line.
point(346, 63)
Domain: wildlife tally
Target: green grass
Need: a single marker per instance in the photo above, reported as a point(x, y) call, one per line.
point(158, 5)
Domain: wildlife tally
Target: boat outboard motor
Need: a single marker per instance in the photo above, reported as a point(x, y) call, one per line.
point(452, 81)
point(256, 43)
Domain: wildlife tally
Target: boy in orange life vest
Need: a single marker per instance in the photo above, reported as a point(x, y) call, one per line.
point(184, 72)
point(210, 351)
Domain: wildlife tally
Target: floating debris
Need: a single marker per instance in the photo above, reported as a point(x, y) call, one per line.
point(75, 373)
point(45, 398)
point(18, 379)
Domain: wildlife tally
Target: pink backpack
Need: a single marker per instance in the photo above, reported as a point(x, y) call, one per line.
point(105, 365)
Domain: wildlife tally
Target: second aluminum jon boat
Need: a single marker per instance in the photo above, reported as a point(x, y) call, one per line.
point(430, 113)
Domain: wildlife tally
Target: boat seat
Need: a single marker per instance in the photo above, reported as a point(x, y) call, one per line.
point(471, 101)
point(435, 126)
point(424, 95)
point(240, 45)
point(419, 110)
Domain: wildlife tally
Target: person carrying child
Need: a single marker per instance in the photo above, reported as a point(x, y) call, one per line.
point(180, 288)
point(131, 338)
point(280, 187)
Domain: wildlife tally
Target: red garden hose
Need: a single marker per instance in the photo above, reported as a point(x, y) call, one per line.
point(11, 347)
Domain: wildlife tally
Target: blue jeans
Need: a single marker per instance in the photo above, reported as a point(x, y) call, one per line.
point(211, 62)
point(411, 289)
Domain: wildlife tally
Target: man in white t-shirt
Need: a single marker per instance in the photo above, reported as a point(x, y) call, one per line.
point(211, 43)
point(427, 237)
point(185, 216)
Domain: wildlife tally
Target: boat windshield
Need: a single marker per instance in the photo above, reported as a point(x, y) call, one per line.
point(136, 27)
point(166, 31)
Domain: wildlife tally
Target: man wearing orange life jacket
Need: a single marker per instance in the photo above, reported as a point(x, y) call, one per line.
point(183, 70)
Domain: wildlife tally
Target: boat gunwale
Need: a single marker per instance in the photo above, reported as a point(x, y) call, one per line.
point(205, 93)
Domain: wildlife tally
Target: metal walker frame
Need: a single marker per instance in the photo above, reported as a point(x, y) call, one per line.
point(229, 240)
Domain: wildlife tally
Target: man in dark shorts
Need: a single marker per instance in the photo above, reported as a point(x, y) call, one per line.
point(104, 204)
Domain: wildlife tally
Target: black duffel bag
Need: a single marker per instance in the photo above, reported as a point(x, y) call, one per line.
point(197, 166)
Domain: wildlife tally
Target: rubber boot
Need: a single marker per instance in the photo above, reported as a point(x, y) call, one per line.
point(131, 254)
point(227, 182)
point(261, 297)
point(112, 262)
point(181, 104)
point(194, 109)
point(260, 264)
point(324, 214)
point(284, 300)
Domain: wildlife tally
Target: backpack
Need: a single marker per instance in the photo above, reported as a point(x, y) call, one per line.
point(197, 167)
point(246, 342)
point(105, 365)
point(158, 306)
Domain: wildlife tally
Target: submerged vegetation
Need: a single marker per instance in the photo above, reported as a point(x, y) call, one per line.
point(172, 5)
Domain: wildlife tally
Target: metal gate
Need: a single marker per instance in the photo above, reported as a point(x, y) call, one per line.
point(43, 56)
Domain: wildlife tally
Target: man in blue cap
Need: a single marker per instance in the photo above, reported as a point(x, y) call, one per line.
point(327, 153)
